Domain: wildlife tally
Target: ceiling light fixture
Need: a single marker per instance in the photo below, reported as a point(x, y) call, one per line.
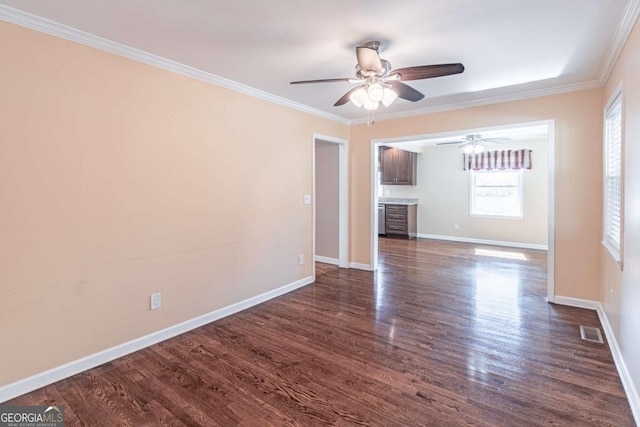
point(474, 147)
point(376, 92)
point(372, 95)
point(389, 97)
point(359, 97)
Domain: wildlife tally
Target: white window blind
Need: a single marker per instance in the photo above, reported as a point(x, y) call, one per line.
point(613, 177)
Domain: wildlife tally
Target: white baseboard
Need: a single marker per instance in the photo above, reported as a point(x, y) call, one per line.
point(576, 302)
point(42, 379)
point(358, 266)
point(484, 241)
point(629, 388)
point(327, 260)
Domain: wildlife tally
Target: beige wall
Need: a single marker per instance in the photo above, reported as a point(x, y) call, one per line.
point(117, 180)
point(327, 201)
point(620, 291)
point(443, 190)
point(578, 186)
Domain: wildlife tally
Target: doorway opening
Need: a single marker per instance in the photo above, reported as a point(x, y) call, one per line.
point(330, 201)
point(449, 203)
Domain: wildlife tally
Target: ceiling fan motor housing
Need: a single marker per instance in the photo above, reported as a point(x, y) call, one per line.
point(374, 44)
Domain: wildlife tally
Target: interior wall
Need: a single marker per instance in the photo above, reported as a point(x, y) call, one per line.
point(578, 183)
point(327, 199)
point(118, 180)
point(620, 290)
point(443, 190)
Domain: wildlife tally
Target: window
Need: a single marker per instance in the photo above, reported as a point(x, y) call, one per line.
point(612, 235)
point(497, 193)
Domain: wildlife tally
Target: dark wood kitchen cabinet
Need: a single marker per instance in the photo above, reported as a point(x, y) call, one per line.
point(397, 167)
point(401, 220)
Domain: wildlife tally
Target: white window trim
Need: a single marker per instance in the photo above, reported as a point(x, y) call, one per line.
point(615, 253)
point(492, 216)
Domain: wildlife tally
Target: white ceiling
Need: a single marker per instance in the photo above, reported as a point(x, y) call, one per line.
point(510, 48)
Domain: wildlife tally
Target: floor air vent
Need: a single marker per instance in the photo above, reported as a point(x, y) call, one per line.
point(592, 334)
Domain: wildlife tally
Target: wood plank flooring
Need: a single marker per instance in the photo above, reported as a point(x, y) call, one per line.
point(444, 334)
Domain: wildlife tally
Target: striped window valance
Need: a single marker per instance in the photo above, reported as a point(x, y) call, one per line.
point(497, 160)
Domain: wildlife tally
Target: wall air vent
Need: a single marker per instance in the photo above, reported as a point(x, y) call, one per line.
point(592, 334)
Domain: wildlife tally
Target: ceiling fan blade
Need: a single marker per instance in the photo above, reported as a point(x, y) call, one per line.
point(427, 71)
point(320, 81)
point(449, 142)
point(496, 140)
point(368, 59)
point(406, 92)
point(345, 97)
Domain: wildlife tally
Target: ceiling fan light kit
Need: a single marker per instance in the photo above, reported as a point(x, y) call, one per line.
point(361, 98)
point(473, 148)
point(378, 84)
point(371, 97)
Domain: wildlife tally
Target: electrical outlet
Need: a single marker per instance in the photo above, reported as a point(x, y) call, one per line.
point(307, 199)
point(155, 301)
point(456, 227)
point(300, 259)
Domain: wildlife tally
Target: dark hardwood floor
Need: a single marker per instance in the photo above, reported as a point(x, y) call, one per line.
point(443, 334)
point(322, 268)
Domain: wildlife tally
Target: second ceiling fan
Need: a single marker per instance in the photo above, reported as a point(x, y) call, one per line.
point(377, 83)
point(474, 143)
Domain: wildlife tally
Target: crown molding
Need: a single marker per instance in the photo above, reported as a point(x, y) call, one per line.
point(485, 101)
point(57, 29)
point(628, 20)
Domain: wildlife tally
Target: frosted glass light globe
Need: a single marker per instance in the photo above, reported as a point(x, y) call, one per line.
point(376, 93)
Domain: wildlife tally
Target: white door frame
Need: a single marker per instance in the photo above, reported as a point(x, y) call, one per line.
point(343, 198)
point(375, 143)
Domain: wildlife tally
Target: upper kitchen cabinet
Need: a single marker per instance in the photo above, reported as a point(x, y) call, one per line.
point(397, 167)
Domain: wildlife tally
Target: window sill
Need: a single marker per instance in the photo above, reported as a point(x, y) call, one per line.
point(614, 254)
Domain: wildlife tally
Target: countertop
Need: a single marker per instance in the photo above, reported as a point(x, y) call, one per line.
point(396, 201)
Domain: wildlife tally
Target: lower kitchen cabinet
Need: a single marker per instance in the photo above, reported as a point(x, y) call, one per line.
point(400, 220)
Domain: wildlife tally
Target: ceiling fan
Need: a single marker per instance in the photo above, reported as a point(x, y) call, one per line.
point(473, 143)
point(377, 83)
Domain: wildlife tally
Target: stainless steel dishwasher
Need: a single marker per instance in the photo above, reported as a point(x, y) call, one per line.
point(381, 219)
